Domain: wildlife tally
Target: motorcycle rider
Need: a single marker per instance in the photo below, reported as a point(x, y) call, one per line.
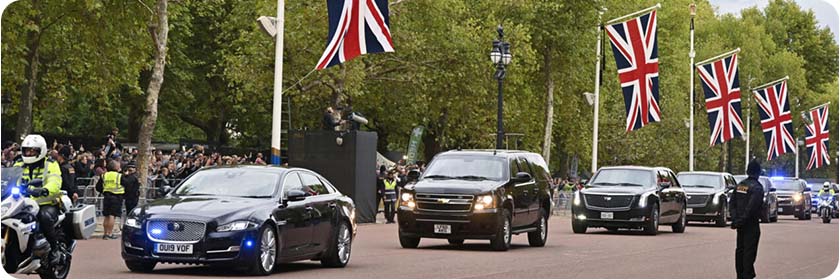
point(36, 165)
point(826, 189)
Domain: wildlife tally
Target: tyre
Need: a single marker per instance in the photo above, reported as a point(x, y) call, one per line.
point(720, 220)
point(679, 227)
point(264, 260)
point(11, 254)
point(409, 242)
point(501, 242)
point(540, 236)
point(765, 216)
point(808, 215)
point(578, 226)
point(60, 270)
point(338, 255)
point(801, 215)
point(456, 241)
point(774, 218)
point(652, 226)
point(140, 266)
point(826, 220)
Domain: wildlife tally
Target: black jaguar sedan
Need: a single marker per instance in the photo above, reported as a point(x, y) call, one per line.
point(251, 217)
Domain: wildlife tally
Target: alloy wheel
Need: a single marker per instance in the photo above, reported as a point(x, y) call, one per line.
point(343, 243)
point(507, 231)
point(543, 228)
point(268, 252)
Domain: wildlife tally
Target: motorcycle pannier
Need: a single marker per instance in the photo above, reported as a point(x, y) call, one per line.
point(84, 221)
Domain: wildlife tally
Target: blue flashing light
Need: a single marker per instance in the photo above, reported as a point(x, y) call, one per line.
point(156, 231)
point(15, 191)
point(249, 243)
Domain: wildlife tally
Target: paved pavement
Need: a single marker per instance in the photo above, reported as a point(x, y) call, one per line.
point(788, 249)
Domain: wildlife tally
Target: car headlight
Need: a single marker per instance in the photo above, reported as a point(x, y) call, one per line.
point(484, 202)
point(132, 222)
point(238, 225)
point(407, 200)
point(715, 200)
point(797, 197)
point(576, 200)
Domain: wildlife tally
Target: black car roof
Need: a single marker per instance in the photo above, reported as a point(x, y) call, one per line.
point(485, 152)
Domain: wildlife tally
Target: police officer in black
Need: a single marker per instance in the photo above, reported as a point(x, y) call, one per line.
point(745, 207)
point(68, 173)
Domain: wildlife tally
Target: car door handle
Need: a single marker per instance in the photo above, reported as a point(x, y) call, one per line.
point(308, 208)
point(332, 205)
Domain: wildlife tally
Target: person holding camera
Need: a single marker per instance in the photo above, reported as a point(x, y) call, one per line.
point(330, 121)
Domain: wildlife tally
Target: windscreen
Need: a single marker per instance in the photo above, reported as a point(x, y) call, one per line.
point(467, 167)
point(787, 185)
point(700, 181)
point(622, 177)
point(230, 182)
point(10, 178)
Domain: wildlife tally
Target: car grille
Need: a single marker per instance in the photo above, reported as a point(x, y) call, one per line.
point(697, 199)
point(784, 200)
point(600, 201)
point(176, 231)
point(444, 202)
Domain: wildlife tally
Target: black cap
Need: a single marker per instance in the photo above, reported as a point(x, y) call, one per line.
point(65, 152)
point(754, 169)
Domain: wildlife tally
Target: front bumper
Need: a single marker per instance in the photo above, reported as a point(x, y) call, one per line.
point(703, 213)
point(214, 247)
point(635, 217)
point(466, 225)
point(792, 209)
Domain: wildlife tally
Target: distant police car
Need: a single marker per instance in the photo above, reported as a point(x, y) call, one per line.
point(249, 217)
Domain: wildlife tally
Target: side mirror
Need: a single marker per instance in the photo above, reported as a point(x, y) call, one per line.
point(413, 175)
point(807, 189)
point(522, 177)
point(772, 189)
point(584, 181)
point(296, 195)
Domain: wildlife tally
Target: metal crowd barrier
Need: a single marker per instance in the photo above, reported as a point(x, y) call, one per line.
point(88, 194)
point(562, 202)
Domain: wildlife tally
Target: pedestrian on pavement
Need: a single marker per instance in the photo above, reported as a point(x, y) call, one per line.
point(390, 196)
point(111, 187)
point(745, 209)
point(132, 187)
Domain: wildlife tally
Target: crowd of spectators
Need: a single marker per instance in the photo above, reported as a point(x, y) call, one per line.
point(165, 168)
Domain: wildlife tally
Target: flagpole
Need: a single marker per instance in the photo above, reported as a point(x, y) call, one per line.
point(618, 19)
point(276, 116)
point(597, 93)
point(771, 83)
point(692, 9)
point(718, 57)
point(747, 134)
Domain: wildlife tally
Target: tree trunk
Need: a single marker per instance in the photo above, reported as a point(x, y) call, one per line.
point(549, 105)
point(33, 42)
point(160, 32)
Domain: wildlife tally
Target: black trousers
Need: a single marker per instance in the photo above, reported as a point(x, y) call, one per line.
point(47, 217)
point(390, 198)
point(746, 250)
point(130, 203)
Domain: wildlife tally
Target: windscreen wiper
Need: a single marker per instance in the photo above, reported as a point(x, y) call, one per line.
point(438, 177)
point(472, 177)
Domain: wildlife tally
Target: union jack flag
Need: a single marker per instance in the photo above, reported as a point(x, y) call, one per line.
point(816, 138)
point(723, 98)
point(356, 27)
point(774, 110)
point(637, 60)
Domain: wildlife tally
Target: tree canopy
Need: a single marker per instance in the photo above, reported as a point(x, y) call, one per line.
point(95, 61)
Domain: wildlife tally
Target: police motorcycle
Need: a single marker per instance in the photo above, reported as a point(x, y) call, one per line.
point(827, 208)
point(25, 250)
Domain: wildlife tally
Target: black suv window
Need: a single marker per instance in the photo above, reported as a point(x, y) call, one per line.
point(312, 185)
point(526, 166)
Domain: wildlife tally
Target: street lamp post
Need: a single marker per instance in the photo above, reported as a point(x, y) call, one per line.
point(693, 11)
point(597, 93)
point(500, 55)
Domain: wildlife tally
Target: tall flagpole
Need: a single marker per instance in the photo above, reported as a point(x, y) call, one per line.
point(597, 93)
point(276, 111)
point(693, 10)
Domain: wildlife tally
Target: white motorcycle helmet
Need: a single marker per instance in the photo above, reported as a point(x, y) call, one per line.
point(33, 143)
point(826, 186)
